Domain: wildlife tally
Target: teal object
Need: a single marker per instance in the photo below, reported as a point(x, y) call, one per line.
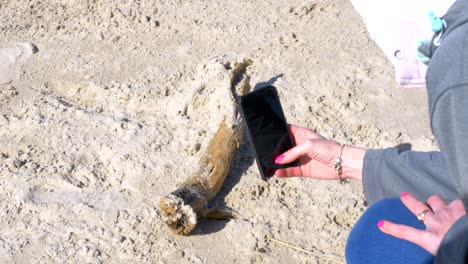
point(419, 55)
point(437, 23)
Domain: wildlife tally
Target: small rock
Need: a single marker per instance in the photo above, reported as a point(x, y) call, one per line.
point(155, 23)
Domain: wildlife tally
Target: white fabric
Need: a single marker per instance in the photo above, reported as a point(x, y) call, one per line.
point(399, 25)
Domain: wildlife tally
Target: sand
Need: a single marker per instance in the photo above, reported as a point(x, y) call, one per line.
point(98, 119)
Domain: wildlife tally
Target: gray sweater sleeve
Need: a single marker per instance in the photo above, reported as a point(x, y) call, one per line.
point(453, 248)
point(389, 172)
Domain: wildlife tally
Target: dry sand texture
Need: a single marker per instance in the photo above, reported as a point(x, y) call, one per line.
point(106, 115)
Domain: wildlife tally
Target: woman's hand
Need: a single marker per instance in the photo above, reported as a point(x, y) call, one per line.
point(438, 220)
point(317, 156)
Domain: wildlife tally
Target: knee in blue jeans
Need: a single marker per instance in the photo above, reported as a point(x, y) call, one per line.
point(367, 244)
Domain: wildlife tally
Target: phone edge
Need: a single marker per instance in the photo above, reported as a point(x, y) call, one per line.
point(252, 145)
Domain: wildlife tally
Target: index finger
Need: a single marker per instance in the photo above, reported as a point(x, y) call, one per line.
point(411, 234)
point(297, 131)
point(294, 153)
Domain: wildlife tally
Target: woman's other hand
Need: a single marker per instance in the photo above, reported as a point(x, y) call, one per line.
point(438, 218)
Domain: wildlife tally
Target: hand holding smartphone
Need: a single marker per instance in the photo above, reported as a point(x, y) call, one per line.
point(267, 129)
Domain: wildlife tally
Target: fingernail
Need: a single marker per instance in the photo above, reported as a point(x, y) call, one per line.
point(380, 223)
point(279, 159)
point(403, 194)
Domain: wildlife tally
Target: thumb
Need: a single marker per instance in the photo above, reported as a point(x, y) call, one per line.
point(294, 153)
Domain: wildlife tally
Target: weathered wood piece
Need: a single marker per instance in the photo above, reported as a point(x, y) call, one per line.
point(183, 207)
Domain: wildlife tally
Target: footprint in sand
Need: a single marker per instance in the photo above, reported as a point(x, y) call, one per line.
point(12, 57)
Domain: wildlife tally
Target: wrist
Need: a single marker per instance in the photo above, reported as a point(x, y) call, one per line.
point(352, 162)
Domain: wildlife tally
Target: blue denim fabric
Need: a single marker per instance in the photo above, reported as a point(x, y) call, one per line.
point(367, 244)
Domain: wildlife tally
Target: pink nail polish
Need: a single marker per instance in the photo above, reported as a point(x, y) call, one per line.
point(380, 223)
point(403, 194)
point(279, 159)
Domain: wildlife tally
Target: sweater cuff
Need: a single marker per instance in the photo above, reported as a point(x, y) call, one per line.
point(454, 247)
point(371, 175)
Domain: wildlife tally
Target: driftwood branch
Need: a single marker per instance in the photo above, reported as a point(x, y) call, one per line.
point(184, 206)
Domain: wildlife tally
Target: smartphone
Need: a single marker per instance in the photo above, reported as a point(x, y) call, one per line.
point(267, 129)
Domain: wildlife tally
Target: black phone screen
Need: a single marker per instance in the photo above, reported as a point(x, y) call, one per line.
point(267, 127)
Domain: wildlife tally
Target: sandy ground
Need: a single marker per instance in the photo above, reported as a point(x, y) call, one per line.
point(94, 126)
